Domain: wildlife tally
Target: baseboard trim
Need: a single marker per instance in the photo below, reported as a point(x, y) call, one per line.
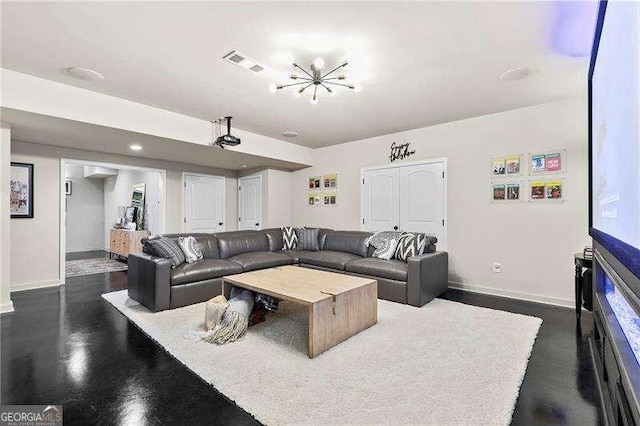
point(555, 301)
point(33, 286)
point(78, 250)
point(6, 308)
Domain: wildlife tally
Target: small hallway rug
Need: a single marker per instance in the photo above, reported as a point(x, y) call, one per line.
point(443, 364)
point(76, 268)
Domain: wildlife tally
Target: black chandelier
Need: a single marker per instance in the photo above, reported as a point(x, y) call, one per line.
point(317, 78)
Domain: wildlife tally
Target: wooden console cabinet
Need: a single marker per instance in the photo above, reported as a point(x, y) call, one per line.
point(123, 242)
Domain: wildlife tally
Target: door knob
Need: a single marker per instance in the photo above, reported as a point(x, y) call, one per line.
point(395, 228)
point(257, 224)
point(220, 223)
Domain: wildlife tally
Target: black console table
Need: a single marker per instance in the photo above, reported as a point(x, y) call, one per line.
point(580, 261)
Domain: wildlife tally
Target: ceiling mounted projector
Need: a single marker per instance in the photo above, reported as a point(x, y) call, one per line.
point(227, 139)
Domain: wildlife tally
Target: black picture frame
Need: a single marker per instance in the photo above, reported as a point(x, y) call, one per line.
point(16, 194)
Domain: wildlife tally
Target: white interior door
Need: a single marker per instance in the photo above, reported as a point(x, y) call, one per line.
point(380, 200)
point(250, 202)
point(204, 203)
point(422, 200)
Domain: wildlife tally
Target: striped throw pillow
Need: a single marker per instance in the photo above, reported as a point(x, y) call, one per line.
point(168, 249)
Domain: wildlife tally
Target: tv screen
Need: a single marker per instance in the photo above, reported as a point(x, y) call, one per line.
point(615, 123)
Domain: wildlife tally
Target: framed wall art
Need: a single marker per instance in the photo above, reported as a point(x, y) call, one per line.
point(21, 195)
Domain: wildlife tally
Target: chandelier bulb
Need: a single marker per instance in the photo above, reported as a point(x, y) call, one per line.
point(293, 77)
point(318, 63)
point(273, 88)
point(357, 87)
point(314, 101)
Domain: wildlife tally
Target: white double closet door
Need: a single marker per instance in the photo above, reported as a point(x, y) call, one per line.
point(408, 198)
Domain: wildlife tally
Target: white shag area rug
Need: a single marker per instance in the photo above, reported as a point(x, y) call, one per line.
point(443, 364)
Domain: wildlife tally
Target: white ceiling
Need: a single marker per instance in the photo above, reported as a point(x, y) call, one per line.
point(419, 63)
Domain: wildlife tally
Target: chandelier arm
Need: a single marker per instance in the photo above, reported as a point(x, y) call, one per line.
point(294, 84)
point(315, 92)
point(334, 70)
point(333, 78)
point(339, 84)
point(323, 85)
point(302, 69)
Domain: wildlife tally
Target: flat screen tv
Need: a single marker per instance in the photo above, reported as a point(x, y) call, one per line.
point(614, 139)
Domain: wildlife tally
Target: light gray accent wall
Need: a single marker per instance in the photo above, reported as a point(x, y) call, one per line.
point(84, 211)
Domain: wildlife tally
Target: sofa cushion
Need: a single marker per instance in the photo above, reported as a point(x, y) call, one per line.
point(274, 236)
point(322, 237)
point(295, 254)
point(239, 242)
point(203, 270)
point(327, 258)
point(261, 260)
point(374, 267)
point(353, 242)
point(308, 239)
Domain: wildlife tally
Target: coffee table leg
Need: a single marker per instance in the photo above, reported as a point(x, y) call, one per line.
point(335, 319)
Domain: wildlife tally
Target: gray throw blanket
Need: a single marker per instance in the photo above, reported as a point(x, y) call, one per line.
point(235, 320)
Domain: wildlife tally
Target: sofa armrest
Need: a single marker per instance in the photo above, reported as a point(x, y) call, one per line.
point(149, 280)
point(427, 277)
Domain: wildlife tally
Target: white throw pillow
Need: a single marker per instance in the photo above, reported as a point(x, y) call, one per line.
point(190, 248)
point(386, 249)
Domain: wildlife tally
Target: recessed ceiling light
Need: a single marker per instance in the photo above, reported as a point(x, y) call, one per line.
point(515, 74)
point(85, 74)
point(135, 147)
point(289, 134)
point(243, 166)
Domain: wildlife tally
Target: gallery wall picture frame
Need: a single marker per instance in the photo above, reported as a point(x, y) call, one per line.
point(506, 192)
point(547, 190)
point(507, 166)
point(21, 192)
point(330, 199)
point(315, 182)
point(553, 162)
point(314, 199)
point(330, 181)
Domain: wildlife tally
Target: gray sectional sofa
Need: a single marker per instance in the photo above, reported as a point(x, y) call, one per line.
point(154, 284)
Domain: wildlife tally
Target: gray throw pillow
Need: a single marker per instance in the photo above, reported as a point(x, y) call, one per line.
point(386, 249)
point(382, 237)
point(190, 248)
point(168, 249)
point(308, 239)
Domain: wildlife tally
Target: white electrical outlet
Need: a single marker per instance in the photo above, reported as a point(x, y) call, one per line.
point(497, 268)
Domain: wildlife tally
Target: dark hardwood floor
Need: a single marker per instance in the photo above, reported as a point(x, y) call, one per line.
point(68, 346)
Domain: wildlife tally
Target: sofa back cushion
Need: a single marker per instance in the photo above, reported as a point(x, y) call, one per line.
point(322, 237)
point(274, 237)
point(354, 242)
point(238, 242)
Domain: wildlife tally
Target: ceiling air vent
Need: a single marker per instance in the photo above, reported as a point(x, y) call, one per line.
point(243, 61)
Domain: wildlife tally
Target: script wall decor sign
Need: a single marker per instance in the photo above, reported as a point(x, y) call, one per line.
point(400, 151)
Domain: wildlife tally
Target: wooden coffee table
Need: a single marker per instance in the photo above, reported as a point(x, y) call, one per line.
point(340, 306)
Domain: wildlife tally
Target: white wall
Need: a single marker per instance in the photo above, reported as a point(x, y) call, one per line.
point(117, 192)
point(5, 223)
point(41, 234)
point(85, 212)
point(279, 199)
point(533, 242)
